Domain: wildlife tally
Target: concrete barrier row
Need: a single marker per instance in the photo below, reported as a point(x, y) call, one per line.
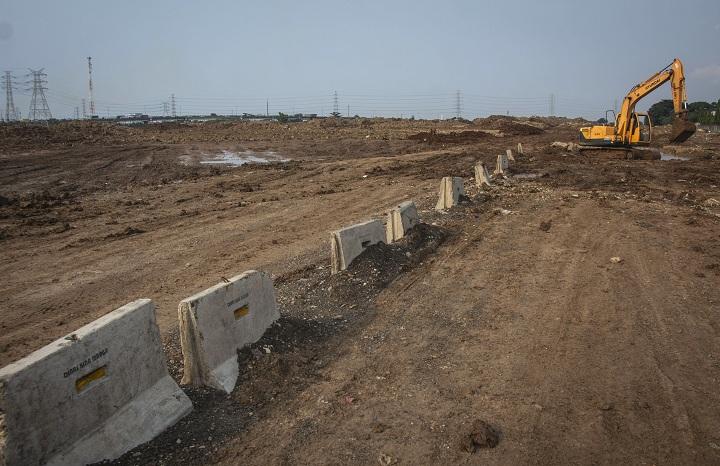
point(104, 389)
point(101, 391)
point(347, 243)
point(451, 188)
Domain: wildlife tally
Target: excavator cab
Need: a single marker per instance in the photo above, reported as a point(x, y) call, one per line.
point(641, 128)
point(639, 131)
point(610, 121)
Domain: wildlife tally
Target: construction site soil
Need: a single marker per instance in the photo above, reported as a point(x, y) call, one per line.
point(568, 314)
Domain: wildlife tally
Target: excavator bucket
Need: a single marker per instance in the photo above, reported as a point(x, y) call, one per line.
point(681, 130)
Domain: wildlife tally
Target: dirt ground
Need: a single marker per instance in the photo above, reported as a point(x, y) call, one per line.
point(570, 313)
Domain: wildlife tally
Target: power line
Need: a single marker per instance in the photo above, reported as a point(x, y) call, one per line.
point(427, 105)
point(458, 110)
point(39, 109)
point(11, 114)
point(90, 88)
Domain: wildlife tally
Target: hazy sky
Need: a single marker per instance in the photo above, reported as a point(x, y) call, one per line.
point(382, 57)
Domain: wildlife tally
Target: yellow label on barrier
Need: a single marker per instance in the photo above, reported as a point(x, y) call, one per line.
point(83, 382)
point(242, 311)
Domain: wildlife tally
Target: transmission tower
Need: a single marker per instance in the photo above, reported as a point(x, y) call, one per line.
point(90, 88)
point(39, 109)
point(335, 104)
point(458, 104)
point(552, 104)
point(166, 107)
point(10, 111)
point(84, 109)
point(77, 113)
point(172, 105)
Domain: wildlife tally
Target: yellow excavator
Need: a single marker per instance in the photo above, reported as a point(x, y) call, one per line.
point(632, 129)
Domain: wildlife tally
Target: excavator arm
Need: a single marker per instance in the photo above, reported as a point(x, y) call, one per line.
point(682, 128)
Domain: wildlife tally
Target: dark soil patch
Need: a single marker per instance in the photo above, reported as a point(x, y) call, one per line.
point(129, 231)
point(482, 435)
point(508, 126)
point(318, 309)
point(433, 137)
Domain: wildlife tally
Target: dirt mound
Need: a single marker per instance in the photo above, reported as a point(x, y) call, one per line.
point(31, 135)
point(460, 137)
point(509, 126)
point(361, 132)
point(376, 267)
point(482, 435)
point(387, 260)
point(335, 122)
point(5, 201)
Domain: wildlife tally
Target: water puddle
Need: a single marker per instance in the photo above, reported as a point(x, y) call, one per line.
point(243, 157)
point(664, 156)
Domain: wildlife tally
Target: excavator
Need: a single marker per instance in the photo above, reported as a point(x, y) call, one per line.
point(632, 130)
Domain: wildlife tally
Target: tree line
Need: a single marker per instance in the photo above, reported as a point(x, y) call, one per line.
point(706, 113)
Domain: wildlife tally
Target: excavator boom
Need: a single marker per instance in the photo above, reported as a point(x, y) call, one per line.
point(682, 129)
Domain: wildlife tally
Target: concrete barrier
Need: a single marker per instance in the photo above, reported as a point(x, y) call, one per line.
point(500, 166)
point(520, 149)
point(509, 155)
point(400, 220)
point(90, 396)
point(451, 188)
point(215, 323)
point(570, 146)
point(348, 243)
point(482, 176)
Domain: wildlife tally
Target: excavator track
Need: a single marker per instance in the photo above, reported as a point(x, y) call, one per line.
point(620, 153)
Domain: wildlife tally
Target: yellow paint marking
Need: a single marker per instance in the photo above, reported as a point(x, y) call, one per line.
point(242, 311)
point(83, 382)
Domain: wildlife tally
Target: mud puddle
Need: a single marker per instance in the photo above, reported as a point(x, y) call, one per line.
point(227, 157)
point(664, 156)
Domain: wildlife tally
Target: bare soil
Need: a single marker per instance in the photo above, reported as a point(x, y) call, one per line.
point(569, 314)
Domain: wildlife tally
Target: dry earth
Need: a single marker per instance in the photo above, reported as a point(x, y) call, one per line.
point(505, 317)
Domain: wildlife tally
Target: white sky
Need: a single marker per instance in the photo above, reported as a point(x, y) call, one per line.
point(382, 57)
